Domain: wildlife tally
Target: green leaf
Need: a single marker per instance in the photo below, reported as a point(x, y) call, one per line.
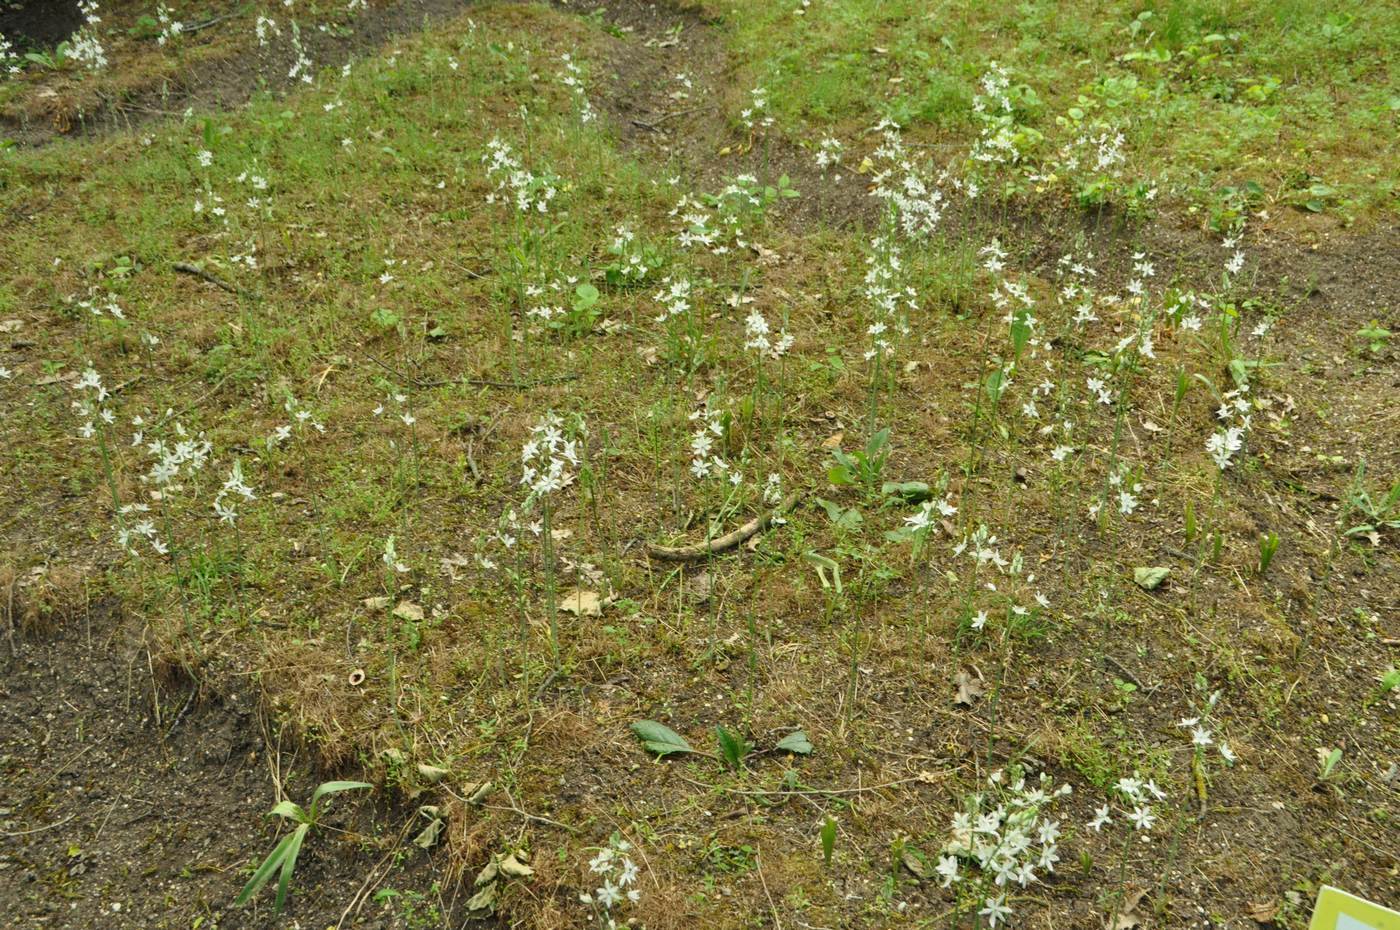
point(334, 787)
point(586, 296)
point(732, 748)
point(289, 863)
point(911, 492)
point(828, 836)
point(1150, 578)
point(659, 738)
point(796, 742)
point(291, 811)
point(264, 871)
point(877, 442)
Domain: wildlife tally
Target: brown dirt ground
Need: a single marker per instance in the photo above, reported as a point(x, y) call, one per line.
point(132, 798)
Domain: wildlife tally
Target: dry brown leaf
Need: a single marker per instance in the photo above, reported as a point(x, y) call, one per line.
point(969, 688)
point(582, 603)
point(1263, 913)
point(1127, 917)
point(833, 442)
point(407, 610)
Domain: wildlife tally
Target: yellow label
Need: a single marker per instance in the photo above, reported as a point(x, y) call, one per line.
point(1337, 910)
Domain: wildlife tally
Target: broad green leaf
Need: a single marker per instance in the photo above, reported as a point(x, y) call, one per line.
point(1149, 578)
point(659, 738)
point(912, 492)
point(333, 787)
point(796, 742)
point(290, 810)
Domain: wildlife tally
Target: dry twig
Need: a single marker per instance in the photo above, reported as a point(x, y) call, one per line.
point(728, 540)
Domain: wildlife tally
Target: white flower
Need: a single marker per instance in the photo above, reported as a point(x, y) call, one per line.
point(995, 911)
point(602, 863)
point(1100, 818)
point(1200, 736)
point(1142, 817)
point(608, 895)
point(1227, 753)
point(948, 868)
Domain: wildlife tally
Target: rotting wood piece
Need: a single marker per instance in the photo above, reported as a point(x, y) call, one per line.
point(728, 540)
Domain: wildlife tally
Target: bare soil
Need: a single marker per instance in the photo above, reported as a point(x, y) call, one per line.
point(130, 798)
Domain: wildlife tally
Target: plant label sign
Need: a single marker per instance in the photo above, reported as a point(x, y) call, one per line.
point(1338, 910)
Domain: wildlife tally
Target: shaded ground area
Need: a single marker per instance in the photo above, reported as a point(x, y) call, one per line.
point(131, 799)
point(220, 66)
point(39, 23)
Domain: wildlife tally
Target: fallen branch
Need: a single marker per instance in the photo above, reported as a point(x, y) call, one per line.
point(728, 540)
point(198, 272)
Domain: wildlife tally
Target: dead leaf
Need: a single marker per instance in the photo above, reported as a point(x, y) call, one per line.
point(407, 610)
point(700, 587)
point(582, 603)
point(11, 326)
point(914, 861)
point(1127, 917)
point(833, 442)
point(512, 867)
point(432, 773)
point(428, 837)
point(766, 256)
point(376, 603)
point(58, 378)
point(969, 688)
point(1263, 913)
point(484, 901)
point(451, 563)
point(1151, 427)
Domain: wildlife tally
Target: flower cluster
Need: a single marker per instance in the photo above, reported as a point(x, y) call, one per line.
point(1226, 442)
point(170, 27)
point(301, 64)
point(886, 299)
point(915, 199)
point(91, 406)
point(619, 881)
point(549, 459)
point(1005, 836)
point(86, 47)
point(674, 298)
point(572, 78)
point(9, 58)
point(829, 154)
point(1136, 797)
point(704, 461)
point(755, 115)
point(757, 335)
point(187, 454)
point(634, 259)
point(531, 193)
point(234, 487)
